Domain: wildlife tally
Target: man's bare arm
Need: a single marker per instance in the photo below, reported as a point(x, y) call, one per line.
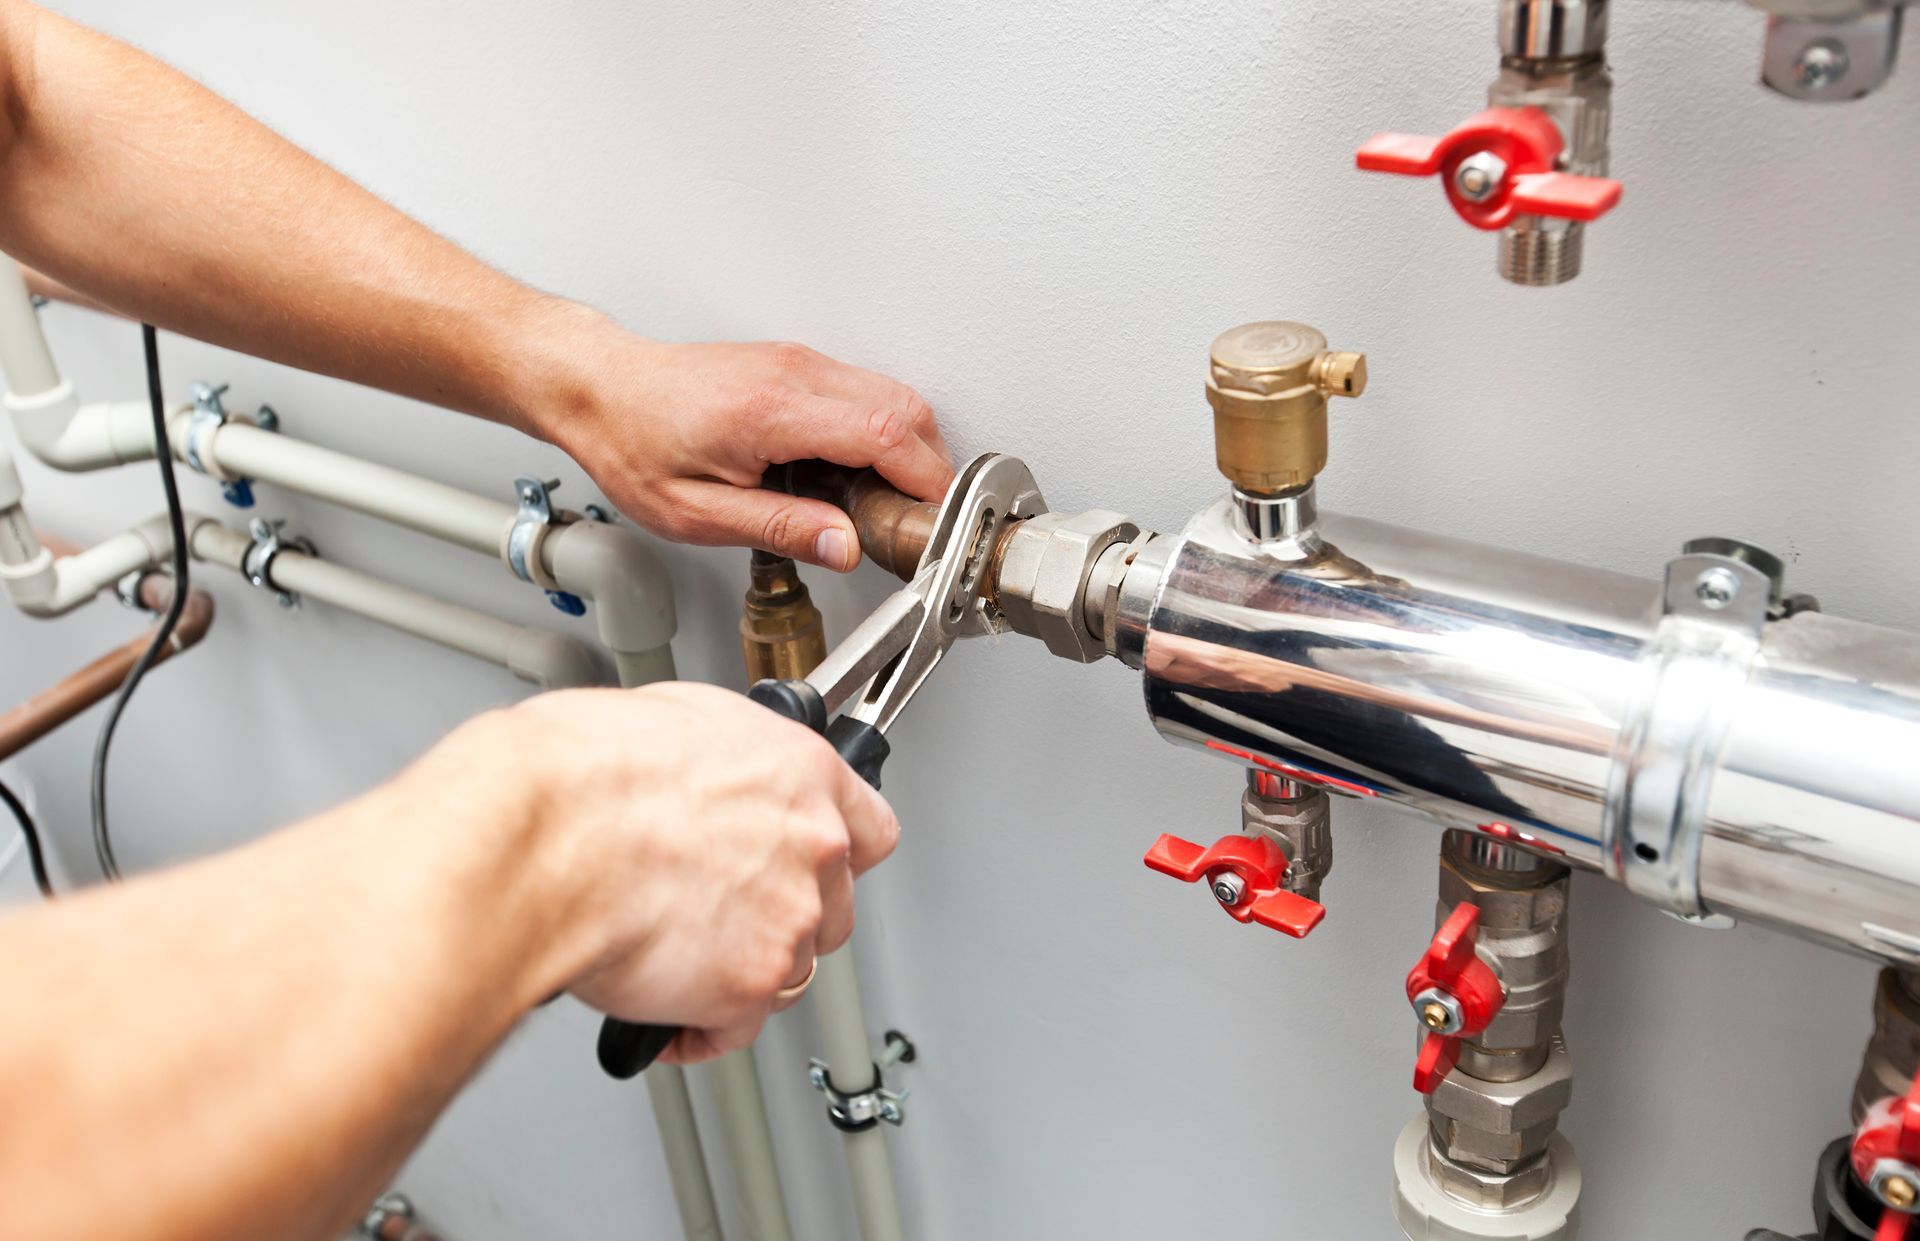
point(291, 261)
point(248, 1046)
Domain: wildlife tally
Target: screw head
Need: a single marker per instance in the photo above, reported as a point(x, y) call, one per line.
point(1717, 588)
point(1228, 888)
point(1895, 1183)
point(1479, 176)
point(1820, 64)
point(1438, 1011)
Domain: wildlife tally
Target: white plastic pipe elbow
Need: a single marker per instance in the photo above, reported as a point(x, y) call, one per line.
point(628, 583)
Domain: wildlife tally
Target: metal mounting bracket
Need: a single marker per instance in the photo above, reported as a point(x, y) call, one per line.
point(258, 562)
point(530, 525)
point(1705, 644)
point(209, 415)
point(855, 1113)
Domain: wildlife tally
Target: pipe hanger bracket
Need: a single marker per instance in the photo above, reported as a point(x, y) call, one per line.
point(1704, 647)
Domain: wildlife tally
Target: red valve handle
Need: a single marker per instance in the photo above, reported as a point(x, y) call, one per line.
point(1525, 139)
point(1451, 967)
point(1261, 865)
point(1890, 1131)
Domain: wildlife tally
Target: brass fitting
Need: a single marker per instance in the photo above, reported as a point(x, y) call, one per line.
point(781, 632)
point(1268, 385)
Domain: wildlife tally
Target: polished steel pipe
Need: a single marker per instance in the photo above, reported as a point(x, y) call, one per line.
point(1501, 692)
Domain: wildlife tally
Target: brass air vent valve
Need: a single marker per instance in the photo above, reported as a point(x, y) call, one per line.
point(1268, 385)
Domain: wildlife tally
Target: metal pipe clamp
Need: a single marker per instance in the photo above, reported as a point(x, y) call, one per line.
point(1693, 670)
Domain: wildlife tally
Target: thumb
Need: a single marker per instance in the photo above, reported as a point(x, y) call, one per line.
point(812, 531)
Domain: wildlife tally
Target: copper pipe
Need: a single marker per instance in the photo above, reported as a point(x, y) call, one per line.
point(894, 528)
point(41, 714)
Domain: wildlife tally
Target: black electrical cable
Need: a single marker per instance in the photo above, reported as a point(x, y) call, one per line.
point(177, 523)
point(32, 835)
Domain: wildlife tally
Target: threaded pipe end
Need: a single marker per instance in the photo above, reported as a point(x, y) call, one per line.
point(1537, 258)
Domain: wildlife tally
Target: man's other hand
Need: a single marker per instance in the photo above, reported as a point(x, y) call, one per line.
point(679, 435)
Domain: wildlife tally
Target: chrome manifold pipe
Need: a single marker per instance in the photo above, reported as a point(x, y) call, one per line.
point(1718, 758)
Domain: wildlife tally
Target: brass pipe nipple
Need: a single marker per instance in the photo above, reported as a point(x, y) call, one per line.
point(781, 632)
point(1268, 384)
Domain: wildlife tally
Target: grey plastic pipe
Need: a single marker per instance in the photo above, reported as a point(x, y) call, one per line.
point(849, 1058)
point(610, 566)
point(735, 1080)
point(539, 656)
point(673, 1105)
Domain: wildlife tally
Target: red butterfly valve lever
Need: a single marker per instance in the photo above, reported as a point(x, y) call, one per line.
point(1246, 874)
point(1886, 1157)
point(1454, 993)
point(1497, 166)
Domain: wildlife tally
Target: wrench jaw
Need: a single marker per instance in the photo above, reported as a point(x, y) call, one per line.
point(992, 491)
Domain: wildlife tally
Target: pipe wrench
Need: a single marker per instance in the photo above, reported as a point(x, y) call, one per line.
point(885, 660)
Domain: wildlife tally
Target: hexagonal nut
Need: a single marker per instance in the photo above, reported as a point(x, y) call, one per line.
point(1043, 577)
point(1487, 1189)
point(1492, 1153)
point(1507, 1107)
point(1502, 909)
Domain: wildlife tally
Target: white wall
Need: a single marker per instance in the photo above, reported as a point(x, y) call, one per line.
point(1040, 213)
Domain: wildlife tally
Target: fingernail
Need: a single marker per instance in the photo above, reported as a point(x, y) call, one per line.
point(831, 548)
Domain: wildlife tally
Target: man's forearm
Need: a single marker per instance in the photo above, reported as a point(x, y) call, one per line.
point(105, 185)
point(247, 1047)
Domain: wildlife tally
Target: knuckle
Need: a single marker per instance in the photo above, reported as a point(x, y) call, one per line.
point(919, 412)
point(758, 404)
point(828, 844)
point(809, 911)
point(837, 938)
point(761, 971)
point(781, 531)
point(887, 428)
point(791, 358)
point(676, 522)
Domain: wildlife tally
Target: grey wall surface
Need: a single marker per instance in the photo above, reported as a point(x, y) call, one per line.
point(1040, 213)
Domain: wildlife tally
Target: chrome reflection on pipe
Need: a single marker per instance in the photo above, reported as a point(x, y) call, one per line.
point(1493, 691)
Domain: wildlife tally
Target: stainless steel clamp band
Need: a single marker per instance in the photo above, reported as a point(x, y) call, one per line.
point(531, 522)
point(855, 1113)
point(1700, 656)
point(209, 415)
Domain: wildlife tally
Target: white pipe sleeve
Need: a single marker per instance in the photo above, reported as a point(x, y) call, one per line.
point(447, 513)
point(23, 346)
point(549, 660)
point(25, 566)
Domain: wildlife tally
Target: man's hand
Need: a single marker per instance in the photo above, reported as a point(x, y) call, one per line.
point(295, 263)
point(706, 847)
point(679, 436)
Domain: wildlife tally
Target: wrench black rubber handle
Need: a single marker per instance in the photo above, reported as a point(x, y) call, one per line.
point(863, 746)
point(627, 1049)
